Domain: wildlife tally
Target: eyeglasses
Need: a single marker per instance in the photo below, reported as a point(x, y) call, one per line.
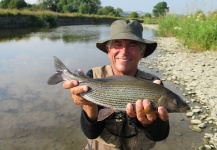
point(130, 46)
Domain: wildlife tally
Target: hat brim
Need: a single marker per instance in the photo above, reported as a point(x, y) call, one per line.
point(150, 45)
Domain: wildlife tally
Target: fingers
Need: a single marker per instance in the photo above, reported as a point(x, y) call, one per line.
point(163, 114)
point(79, 72)
point(70, 84)
point(150, 113)
point(141, 109)
point(157, 81)
point(145, 112)
point(79, 89)
point(75, 90)
point(130, 110)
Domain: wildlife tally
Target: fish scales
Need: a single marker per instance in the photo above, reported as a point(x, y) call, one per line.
point(116, 92)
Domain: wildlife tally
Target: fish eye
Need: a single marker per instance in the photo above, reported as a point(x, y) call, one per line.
point(175, 102)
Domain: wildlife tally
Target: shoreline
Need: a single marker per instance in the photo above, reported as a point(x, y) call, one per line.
point(197, 72)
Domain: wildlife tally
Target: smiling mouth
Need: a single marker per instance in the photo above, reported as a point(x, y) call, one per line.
point(123, 59)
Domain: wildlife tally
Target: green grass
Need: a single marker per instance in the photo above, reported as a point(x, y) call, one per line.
point(150, 21)
point(198, 32)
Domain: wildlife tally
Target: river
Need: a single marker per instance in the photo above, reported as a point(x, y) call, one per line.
point(37, 116)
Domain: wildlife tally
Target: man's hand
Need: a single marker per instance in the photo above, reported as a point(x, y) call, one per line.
point(90, 108)
point(144, 111)
point(75, 91)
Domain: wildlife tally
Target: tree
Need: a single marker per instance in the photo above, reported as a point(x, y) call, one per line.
point(4, 3)
point(134, 15)
point(50, 4)
point(81, 6)
point(110, 11)
point(13, 4)
point(89, 7)
point(17, 4)
point(147, 15)
point(118, 11)
point(160, 9)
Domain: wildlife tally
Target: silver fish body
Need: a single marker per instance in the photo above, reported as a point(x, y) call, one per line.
point(116, 92)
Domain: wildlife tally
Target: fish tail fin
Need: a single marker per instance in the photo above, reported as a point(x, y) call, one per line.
point(62, 73)
point(55, 78)
point(59, 65)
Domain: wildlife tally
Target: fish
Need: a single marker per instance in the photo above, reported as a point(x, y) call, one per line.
point(115, 92)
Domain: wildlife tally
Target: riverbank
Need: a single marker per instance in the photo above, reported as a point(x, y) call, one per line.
point(49, 20)
point(197, 72)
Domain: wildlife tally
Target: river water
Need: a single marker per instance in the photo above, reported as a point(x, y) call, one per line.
point(37, 116)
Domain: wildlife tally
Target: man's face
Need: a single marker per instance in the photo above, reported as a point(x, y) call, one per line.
point(124, 56)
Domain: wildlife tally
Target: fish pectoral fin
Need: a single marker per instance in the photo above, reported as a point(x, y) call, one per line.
point(162, 101)
point(104, 113)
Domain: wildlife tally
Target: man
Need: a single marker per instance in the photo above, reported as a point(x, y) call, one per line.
point(122, 130)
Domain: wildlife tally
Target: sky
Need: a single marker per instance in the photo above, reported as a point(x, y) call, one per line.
point(176, 6)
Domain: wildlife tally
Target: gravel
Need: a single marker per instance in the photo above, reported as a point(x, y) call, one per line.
point(197, 73)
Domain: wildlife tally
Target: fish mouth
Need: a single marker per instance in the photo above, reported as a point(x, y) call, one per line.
point(185, 109)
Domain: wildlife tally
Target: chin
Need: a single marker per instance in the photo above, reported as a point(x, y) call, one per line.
point(123, 70)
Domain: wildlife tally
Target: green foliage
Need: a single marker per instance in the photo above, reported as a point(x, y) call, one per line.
point(4, 3)
point(195, 32)
point(147, 15)
point(107, 9)
point(213, 15)
point(50, 4)
point(17, 4)
point(160, 9)
point(118, 11)
point(87, 8)
point(64, 6)
point(110, 11)
point(43, 20)
point(79, 6)
point(167, 25)
point(134, 15)
point(150, 21)
point(13, 4)
point(200, 15)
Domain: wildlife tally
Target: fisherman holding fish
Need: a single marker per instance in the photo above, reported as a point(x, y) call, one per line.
point(137, 128)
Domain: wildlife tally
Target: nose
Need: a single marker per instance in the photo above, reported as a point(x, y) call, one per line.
point(123, 50)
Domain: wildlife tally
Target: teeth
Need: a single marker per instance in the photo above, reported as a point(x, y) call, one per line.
point(123, 59)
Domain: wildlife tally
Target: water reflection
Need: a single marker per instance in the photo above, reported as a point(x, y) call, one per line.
point(31, 111)
point(68, 34)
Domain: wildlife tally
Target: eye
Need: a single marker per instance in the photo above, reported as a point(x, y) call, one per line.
point(117, 45)
point(175, 102)
point(133, 45)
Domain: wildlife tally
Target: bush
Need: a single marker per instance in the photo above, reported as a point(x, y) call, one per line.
point(196, 32)
point(134, 15)
point(43, 20)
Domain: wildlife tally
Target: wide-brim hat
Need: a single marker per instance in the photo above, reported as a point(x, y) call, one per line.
point(130, 30)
